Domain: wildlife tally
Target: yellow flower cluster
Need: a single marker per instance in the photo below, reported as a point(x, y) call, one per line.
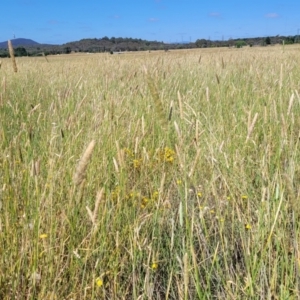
point(137, 163)
point(167, 155)
point(132, 195)
point(116, 193)
point(128, 152)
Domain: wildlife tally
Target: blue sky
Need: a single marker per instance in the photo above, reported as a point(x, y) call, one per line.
point(61, 21)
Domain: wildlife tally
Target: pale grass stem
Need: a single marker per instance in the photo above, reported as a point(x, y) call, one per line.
point(157, 101)
point(178, 132)
point(12, 56)
point(290, 104)
point(207, 94)
point(162, 184)
point(186, 275)
point(116, 165)
point(35, 168)
point(251, 125)
point(93, 215)
point(180, 105)
point(298, 96)
point(178, 154)
point(120, 154)
point(83, 163)
point(97, 204)
point(284, 126)
point(170, 111)
point(195, 160)
point(281, 77)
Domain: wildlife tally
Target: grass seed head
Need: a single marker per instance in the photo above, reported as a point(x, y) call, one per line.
point(83, 163)
point(12, 56)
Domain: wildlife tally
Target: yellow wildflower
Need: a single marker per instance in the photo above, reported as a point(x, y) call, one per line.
point(155, 195)
point(116, 193)
point(179, 182)
point(244, 197)
point(167, 155)
point(128, 152)
point(99, 282)
point(43, 236)
point(154, 266)
point(137, 163)
point(145, 201)
point(248, 227)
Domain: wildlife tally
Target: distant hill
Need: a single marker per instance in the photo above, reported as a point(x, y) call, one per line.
point(19, 42)
point(27, 47)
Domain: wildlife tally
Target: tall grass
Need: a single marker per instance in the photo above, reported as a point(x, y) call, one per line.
point(199, 203)
point(12, 56)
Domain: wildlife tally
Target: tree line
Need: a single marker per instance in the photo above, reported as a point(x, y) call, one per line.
point(114, 44)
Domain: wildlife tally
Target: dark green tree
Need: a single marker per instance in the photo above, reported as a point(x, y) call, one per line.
point(268, 40)
point(20, 51)
point(240, 44)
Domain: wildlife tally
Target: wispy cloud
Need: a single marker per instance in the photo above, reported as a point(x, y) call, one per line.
point(153, 20)
point(215, 14)
point(272, 15)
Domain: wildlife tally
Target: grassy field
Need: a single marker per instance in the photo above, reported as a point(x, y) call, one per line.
point(151, 175)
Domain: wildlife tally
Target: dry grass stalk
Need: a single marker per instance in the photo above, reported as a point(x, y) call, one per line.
point(195, 161)
point(207, 94)
point(178, 132)
point(90, 213)
point(284, 127)
point(170, 111)
point(179, 157)
point(116, 165)
point(157, 102)
point(0, 64)
point(120, 154)
point(290, 104)
point(97, 204)
point(12, 56)
point(180, 105)
point(186, 275)
point(93, 215)
point(251, 126)
point(281, 77)
point(35, 168)
point(4, 85)
point(83, 163)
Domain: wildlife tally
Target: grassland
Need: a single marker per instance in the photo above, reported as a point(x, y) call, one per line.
point(151, 175)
